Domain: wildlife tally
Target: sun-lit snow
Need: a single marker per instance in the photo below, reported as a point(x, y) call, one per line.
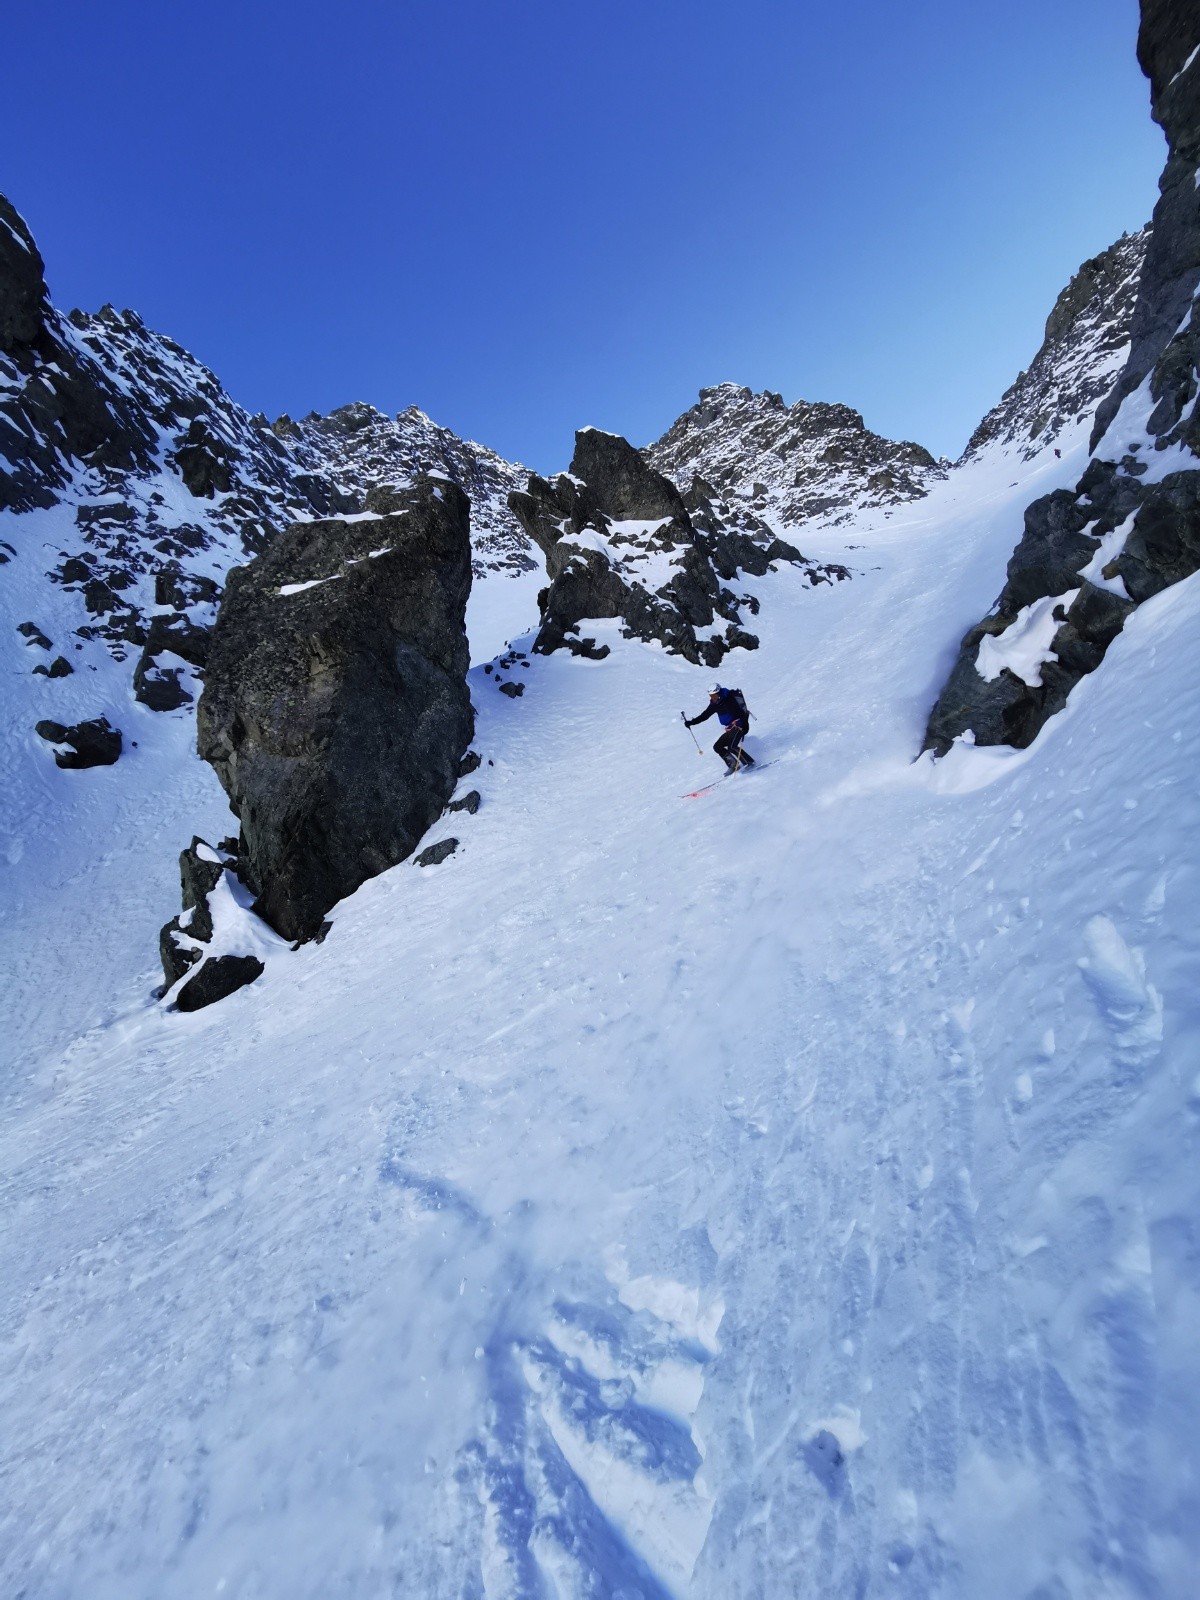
point(1025, 644)
point(790, 1192)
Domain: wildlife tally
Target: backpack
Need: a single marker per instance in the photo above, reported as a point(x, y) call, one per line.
point(739, 700)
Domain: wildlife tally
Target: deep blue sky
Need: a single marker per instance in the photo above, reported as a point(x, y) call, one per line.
point(528, 215)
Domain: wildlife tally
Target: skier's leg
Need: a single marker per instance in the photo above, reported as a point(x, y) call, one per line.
point(725, 746)
point(732, 751)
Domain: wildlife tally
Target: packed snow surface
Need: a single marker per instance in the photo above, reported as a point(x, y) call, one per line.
point(786, 1192)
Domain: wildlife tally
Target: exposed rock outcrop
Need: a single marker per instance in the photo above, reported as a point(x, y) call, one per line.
point(60, 667)
point(190, 943)
point(56, 405)
point(360, 447)
point(791, 464)
point(83, 744)
point(434, 854)
point(217, 978)
point(1085, 347)
point(172, 482)
point(1131, 526)
point(160, 686)
point(24, 300)
point(335, 708)
point(181, 941)
point(621, 542)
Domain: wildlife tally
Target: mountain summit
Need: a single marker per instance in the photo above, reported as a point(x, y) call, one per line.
point(794, 464)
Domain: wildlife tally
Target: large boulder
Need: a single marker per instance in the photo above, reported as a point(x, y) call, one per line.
point(82, 744)
point(335, 708)
point(217, 978)
point(1141, 489)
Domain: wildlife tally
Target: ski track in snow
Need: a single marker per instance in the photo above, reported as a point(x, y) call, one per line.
point(790, 1195)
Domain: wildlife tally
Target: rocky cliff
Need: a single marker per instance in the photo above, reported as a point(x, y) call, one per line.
point(621, 541)
point(134, 479)
point(168, 482)
point(1084, 349)
point(1131, 525)
point(790, 464)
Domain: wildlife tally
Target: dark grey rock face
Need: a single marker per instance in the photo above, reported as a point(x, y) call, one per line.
point(56, 404)
point(218, 977)
point(102, 413)
point(34, 635)
point(60, 667)
point(199, 874)
point(1150, 411)
point(1085, 346)
point(1167, 39)
point(23, 297)
point(159, 686)
point(335, 708)
point(624, 484)
point(91, 744)
point(621, 542)
point(176, 958)
point(185, 940)
point(86, 402)
point(433, 855)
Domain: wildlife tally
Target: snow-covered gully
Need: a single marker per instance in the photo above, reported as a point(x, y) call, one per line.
point(792, 1193)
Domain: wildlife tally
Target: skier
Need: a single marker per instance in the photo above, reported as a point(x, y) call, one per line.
point(729, 706)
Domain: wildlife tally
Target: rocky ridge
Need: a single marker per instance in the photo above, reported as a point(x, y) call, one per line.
point(1131, 526)
point(165, 480)
point(359, 447)
point(169, 482)
point(620, 541)
point(1085, 346)
point(790, 464)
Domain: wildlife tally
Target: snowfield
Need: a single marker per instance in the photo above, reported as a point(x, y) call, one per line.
point(791, 1191)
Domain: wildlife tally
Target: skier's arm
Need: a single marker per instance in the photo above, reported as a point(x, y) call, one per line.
point(703, 717)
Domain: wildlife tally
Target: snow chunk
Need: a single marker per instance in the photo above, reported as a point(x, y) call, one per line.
point(1116, 974)
point(1110, 547)
point(1025, 644)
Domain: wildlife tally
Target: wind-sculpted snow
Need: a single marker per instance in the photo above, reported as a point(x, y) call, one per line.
point(787, 1193)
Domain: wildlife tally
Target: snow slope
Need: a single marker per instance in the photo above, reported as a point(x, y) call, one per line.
point(787, 1192)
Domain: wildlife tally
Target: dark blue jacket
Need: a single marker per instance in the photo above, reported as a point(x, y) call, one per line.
point(728, 708)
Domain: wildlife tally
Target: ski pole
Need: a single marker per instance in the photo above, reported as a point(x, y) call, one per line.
point(695, 741)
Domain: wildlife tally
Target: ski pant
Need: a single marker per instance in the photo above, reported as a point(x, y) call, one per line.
point(729, 744)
